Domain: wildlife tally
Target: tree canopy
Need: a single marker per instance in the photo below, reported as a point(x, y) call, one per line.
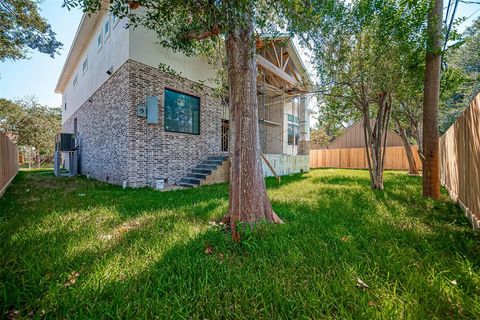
point(363, 50)
point(193, 27)
point(461, 79)
point(23, 28)
point(34, 124)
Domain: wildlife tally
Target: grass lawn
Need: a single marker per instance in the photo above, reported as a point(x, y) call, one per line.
point(78, 248)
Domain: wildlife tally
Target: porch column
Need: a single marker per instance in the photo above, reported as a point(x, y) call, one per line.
point(303, 115)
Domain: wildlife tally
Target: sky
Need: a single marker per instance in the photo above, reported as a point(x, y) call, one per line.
point(38, 75)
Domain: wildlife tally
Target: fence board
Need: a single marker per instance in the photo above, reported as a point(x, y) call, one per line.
point(460, 161)
point(8, 161)
point(355, 158)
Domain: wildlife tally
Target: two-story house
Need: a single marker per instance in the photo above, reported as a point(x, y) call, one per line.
point(137, 122)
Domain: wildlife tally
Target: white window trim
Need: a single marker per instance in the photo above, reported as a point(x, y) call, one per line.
point(100, 45)
point(106, 35)
point(296, 127)
point(83, 65)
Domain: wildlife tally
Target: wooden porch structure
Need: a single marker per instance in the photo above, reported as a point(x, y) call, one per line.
point(282, 85)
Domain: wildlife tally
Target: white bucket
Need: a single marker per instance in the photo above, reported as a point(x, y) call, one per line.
point(159, 184)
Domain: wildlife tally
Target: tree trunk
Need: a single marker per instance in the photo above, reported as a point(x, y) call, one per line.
point(375, 140)
point(412, 166)
point(248, 201)
point(37, 159)
point(431, 149)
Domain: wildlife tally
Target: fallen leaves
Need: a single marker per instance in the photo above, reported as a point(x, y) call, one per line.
point(215, 224)
point(361, 284)
point(13, 314)
point(72, 278)
point(345, 239)
point(124, 228)
point(209, 250)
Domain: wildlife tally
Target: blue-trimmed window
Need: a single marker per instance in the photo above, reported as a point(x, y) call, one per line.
point(182, 112)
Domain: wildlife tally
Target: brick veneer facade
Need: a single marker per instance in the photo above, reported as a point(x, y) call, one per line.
point(304, 147)
point(117, 145)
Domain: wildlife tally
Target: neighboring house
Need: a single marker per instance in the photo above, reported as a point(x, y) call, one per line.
point(354, 137)
point(137, 123)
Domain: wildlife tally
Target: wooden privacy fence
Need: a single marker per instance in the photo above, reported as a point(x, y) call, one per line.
point(8, 162)
point(355, 158)
point(460, 161)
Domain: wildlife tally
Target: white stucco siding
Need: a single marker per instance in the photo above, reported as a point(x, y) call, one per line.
point(144, 48)
point(113, 53)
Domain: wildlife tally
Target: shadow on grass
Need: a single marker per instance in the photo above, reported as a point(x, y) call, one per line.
point(142, 254)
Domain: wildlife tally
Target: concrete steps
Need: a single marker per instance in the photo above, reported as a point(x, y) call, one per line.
point(201, 172)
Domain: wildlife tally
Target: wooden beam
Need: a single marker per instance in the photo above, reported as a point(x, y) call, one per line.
point(281, 57)
point(295, 73)
point(276, 55)
point(271, 168)
point(286, 63)
point(276, 71)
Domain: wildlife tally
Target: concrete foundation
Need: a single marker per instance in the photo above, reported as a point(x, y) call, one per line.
point(285, 164)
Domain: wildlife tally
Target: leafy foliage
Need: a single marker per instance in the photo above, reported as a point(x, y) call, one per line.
point(362, 52)
point(319, 138)
point(461, 81)
point(23, 28)
point(36, 126)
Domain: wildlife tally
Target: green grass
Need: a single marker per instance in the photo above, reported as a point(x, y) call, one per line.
point(141, 253)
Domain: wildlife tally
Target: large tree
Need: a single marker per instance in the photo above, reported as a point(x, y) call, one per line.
point(23, 28)
point(192, 26)
point(431, 97)
point(360, 54)
point(34, 124)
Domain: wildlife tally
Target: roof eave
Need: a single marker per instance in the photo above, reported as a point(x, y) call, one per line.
point(84, 31)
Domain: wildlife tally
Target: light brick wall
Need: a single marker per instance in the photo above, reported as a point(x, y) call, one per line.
point(121, 146)
point(102, 133)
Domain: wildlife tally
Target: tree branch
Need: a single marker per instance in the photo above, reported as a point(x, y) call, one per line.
point(213, 32)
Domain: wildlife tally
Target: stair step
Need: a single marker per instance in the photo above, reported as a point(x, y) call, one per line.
point(189, 185)
point(202, 176)
point(213, 162)
point(191, 180)
point(202, 171)
point(206, 166)
point(198, 174)
point(221, 158)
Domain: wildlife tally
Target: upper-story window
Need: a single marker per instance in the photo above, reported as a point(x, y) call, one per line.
point(293, 130)
point(75, 80)
point(85, 65)
point(114, 20)
point(182, 112)
point(65, 106)
point(106, 29)
point(99, 40)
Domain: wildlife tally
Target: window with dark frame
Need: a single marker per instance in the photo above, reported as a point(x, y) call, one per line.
point(182, 112)
point(225, 135)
